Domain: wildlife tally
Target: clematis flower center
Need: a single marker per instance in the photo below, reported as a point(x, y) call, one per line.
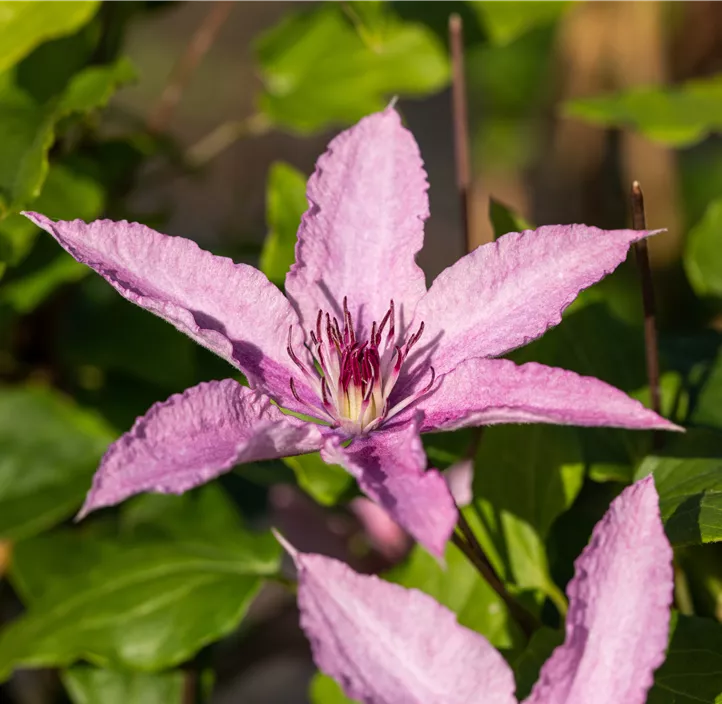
point(353, 378)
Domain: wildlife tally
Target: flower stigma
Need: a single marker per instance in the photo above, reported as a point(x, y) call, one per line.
point(353, 379)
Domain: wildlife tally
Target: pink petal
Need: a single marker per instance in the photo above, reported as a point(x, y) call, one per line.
point(509, 292)
point(365, 225)
point(619, 601)
point(389, 645)
point(232, 309)
point(389, 466)
point(192, 438)
point(383, 532)
point(489, 391)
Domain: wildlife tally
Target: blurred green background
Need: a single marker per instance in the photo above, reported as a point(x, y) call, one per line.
point(204, 120)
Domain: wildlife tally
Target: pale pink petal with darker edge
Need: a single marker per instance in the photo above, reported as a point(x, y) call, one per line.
point(385, 644)
point(509, 292)
point(232, 309)
point(619, 608)
point(490, 391)
point(390, 469)
point(364, 226)
point(192, 438)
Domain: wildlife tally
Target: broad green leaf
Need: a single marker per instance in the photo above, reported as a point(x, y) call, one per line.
point(107, 333)
point(703, 252)
point(688, 476)
point(67, 194)
point(91, 685)
point(692, 672)
point(536, 653)
point(147, 602)
point(285, 204)
point(27, 125)
point(593, 342)
point(459, 587)
point(324, 482)
point(24, 25)
point(49, 449)
point(507, 21)
point(318, 71)
point(30, 291)
point(324, 690)
point(525, 476)
point(676, 116)
point(707, 409)
point(504, 219)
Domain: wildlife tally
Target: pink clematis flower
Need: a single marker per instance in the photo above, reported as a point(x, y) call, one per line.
point(389, 645)
point(359, 344)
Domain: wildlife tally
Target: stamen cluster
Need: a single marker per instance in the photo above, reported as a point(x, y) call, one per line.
point(353, 379)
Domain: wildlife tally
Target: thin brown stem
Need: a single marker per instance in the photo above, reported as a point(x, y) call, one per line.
point(461, 126)
point(526, 620)
point(200, 43)
point(5, 555)
point(222, 137)
point(468, 544)
point(190, 686)
point(641, 251)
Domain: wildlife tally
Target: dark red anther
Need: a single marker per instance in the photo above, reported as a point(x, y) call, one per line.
point(399, 358)
point(415, 338)
point(431, 383)
point(319, 318)
point(324, 393)
point(293, 390)
point(348, 332)
point(356, 370)
point(292, 354)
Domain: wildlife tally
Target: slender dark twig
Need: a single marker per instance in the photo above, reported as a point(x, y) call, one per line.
point(526, 620)
point(641, 251)
point(468, 544)
point(461, 125)
point(190, 686)
point(200, 42)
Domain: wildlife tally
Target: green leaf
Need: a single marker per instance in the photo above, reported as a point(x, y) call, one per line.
point(593, 342)
point(707, 409)
point(504, 219)
point(24, 25)
point(507, 21)
point(676, 116)
point(688, 476)
point(67, 194)
point(105, 332)
point(703, 252)
point(326, 483)
point(146, 602)
point(536, 653)
point(525, 477)
point(27, 125)
point(692, 672)
point(324, 690)
point(285, 204)
point(91, 685)
point(318, 71)
point(49, 450)
point(460, 588)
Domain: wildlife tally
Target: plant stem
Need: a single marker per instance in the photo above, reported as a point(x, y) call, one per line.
point(200, 43)
point(5, 554)
point(641, 251)
point(526, 620)
point(465, 540)
point(223, 136)
point(190, 686)
point(461, 125)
